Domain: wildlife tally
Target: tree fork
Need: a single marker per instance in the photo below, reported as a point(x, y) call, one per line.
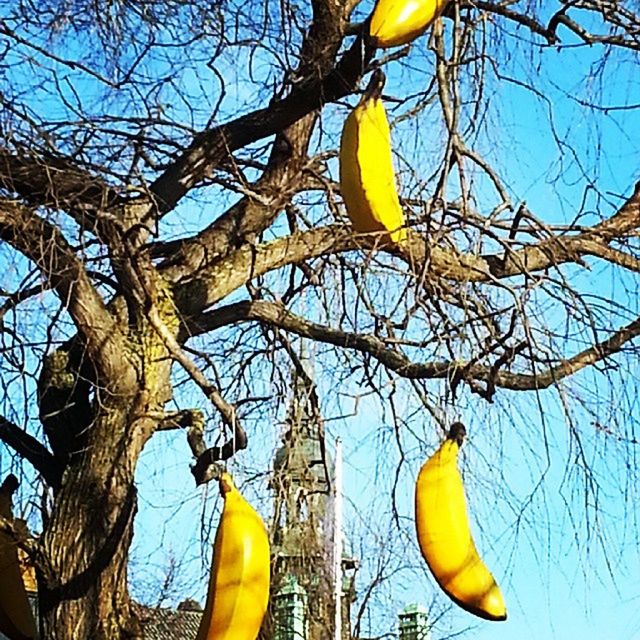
point(82, 563)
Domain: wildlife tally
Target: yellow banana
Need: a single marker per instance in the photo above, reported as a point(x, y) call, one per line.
point(367, 178)
point(16, 618)
point(443, 531)
point(397, 22)
point(239, 582)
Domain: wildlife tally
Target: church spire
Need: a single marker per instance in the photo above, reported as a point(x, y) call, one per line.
point(301, 465)
point(302, 482)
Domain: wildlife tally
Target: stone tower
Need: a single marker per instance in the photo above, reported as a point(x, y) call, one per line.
point(303, 602)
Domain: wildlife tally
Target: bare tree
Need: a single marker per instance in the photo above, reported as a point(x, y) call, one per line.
point(170, 217)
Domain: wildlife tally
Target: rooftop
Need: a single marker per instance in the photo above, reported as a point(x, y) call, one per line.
point(170, 624)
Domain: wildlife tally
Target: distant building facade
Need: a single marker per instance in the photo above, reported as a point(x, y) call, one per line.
point(302, 532)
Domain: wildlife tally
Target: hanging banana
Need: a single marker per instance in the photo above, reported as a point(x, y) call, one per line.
point(367, 178)
point(16, 618)
point(444, 536)
point(397, 22)
point(239, 581)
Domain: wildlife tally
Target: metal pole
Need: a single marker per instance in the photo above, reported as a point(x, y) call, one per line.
point(337, 541)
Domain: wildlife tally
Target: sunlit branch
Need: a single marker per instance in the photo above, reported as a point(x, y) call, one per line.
point(212, 284)
point(56, 181)
point(183, 419)
point(210, 147)
point(281, 180)
point(276, 315)
point(286, 172)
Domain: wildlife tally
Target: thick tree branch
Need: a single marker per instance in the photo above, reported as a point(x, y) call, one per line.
point(182, 419)
point(56, 181)
point(283, 178)
point(285, 173)
point(276, 315)
point(46, 247)
point(624, 221)
point(213, 284)
point(27, 447)
point(210, 147)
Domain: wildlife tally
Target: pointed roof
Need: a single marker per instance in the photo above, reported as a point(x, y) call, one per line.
point(302, 456)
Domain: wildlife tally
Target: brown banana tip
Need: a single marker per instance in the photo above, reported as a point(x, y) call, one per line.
point(225, 483)
point(457, 432)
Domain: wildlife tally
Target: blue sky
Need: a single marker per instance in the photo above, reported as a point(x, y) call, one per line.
point(568, 569)
point(554, 577)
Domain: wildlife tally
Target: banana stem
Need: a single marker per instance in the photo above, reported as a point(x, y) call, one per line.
point(375, 86)
point(457, 432)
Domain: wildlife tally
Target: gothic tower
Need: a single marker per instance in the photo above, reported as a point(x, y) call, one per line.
point(303, 600)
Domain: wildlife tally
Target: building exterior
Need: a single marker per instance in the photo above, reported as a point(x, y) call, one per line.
point(303, 532)
point(171, 624)
point(414, 623)
point(302, 529)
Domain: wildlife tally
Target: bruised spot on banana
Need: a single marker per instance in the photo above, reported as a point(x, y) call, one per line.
point(239, 582)
point(367, 177)
point(16, 618)
point(397, 22)
point(444, 536)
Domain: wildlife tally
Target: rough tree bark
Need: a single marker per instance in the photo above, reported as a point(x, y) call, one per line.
point(83, 590)
point(100, 395)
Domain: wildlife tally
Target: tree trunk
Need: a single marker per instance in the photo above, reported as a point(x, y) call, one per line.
point(83, 578)
point(84, 548)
